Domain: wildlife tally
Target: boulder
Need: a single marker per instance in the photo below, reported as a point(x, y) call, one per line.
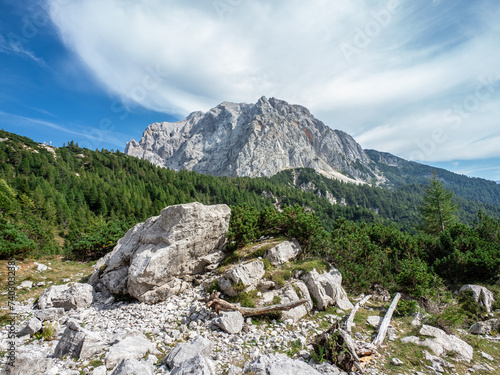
point(69, 296)
point(442, 343)
point(185, 351)
point(283, 252)
point(327, 290)
point(246, 275)
point(295, 292)
point(133, 367)
point(485, 328)
point(278, 364)
point(29, 360)
point(482, 295)
point(135, 346)
point(78, 342)
point(157, 258)
point(230, 321)
point(51, 314)
point(198, 365)
point(26, 284)
point(33, 326)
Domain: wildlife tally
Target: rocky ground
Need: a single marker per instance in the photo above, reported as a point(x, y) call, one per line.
point(148, 333)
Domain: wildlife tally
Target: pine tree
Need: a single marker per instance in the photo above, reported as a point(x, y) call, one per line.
point(437, 208)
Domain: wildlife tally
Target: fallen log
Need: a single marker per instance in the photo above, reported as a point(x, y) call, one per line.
point(350, 319)
point(218, 304)
point(386, 321)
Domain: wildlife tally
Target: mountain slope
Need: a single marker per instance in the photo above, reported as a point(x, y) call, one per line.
point(254, 140)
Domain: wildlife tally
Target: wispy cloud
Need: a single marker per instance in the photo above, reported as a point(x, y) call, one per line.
point(388, 75)
point(12, 44)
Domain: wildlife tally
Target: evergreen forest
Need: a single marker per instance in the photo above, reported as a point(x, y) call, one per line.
point(78, 203)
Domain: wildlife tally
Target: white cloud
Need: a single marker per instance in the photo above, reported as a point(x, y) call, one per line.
point(406, 69)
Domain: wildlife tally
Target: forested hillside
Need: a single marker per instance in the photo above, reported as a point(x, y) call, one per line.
point(79, 201)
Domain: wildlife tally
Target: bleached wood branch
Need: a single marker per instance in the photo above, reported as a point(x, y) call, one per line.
point(350, 319)
point(386, 321)
point(218, 304)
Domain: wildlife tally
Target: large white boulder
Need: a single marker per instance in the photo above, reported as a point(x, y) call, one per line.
point(78, 342)
point(246, 275)
point(135, 346)
point(482, 295)
point(292, 293)
point(69, 296)
point(283, 252)
point(326, 289)
point(279, 364)
point(186, 351)
point(157, 258)
point(442, 343)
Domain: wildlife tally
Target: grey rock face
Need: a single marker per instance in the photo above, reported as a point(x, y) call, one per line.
point(231, 322)
point(152, 260)
point(327, 290)
point(246, 274)
point(185, 351)
point(253, 140)
point(131, 347)
point(51, 314)
point(279, 364)
point(485, 328)
point(482, 295)
point(283, 252)
point(133, 367)
point(78, 342)
point(295, 292)
point(70, 296)
point(442, 343)
point(198, 365)
point(33, 326)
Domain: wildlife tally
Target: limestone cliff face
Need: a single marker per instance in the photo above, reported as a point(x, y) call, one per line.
point(253, 140)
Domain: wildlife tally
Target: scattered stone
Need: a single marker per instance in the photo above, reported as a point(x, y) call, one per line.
point(185, 351)
point(245, 275)
point(33, 326)
point(198, 365)
point(441, 343)
point(41, 267)
point(77, 342)
point(283, 252)
point(133, 367)
point(396, 361)
point(230, 321)
point(26, 284)
point(380, 293)
point(146, 263)
point(326, 289)
point(51, 314)
point(437, 363)
point(487, 356)
point(482, 295)
point(135, 346)
point(69, 296)
point(485, 328)
point(374, 320)
point(278, 364)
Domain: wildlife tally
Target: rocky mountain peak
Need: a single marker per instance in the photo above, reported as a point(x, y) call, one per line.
point(261, 139)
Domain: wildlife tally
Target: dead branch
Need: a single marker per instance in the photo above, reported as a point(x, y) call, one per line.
point(350, 319)
point(218, 305)
point(386, 321)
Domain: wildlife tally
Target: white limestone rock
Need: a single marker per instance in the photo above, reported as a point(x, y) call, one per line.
point(157, 258)
point(279, 364)
point(253, 140)
point(482, 295)
point(32, 326)
point(78, 342)
point(485, 328)
point(230, 321)
point(198, 365)
point(133, 367)
point(327, 290)
point(441, 343)
point(135, 346)
point(247, 275)
point(283, 252)
point(50, 314)
point(69, 296)
point(185, 351)
point(295, 292)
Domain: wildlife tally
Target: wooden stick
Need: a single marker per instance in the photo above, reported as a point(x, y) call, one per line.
point(220, 305)
point(350, 319)
point(385, 323)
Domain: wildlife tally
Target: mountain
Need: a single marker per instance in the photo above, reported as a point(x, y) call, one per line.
point(270, 136)
point(254, 140)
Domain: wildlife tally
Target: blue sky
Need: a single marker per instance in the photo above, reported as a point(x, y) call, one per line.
point(418, 79)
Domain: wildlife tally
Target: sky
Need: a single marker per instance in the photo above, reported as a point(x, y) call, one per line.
point(418, 79)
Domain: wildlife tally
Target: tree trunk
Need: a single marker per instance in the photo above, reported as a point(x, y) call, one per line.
point(386, 321)
point(348, 323)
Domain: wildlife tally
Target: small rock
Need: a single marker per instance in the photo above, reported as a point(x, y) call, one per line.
point(396, 361)
point(33, 326)
point(231, 321)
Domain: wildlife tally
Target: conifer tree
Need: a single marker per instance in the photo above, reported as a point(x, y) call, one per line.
point(437, 208)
